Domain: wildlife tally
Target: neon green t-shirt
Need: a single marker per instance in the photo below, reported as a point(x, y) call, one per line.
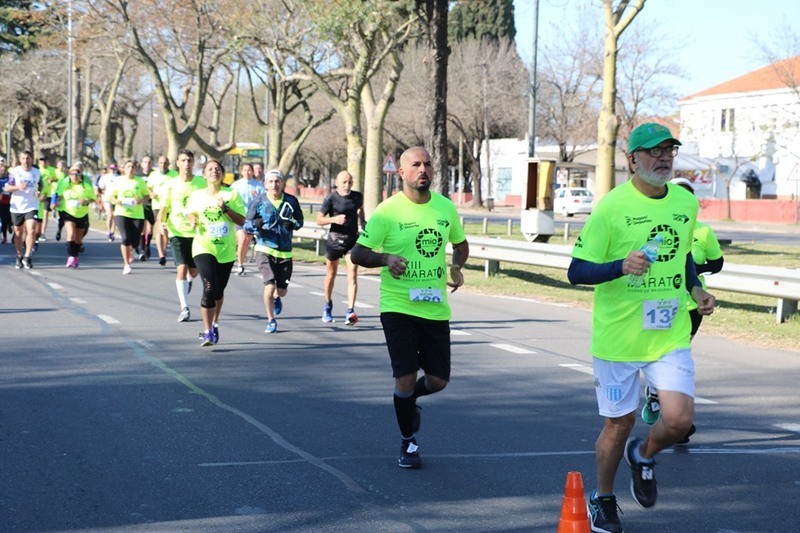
point(215, 233)
point(156, 181)
point(419, 233)
point(705, 246)
point(74, 199)
point(128, 193)
point(175, 195)
point(640, 323)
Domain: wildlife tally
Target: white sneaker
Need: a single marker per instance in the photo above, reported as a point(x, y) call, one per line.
point(126, 269)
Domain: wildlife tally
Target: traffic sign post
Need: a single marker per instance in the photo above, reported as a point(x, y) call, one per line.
point(389, 170)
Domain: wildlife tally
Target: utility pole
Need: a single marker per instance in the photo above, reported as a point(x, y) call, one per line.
point(70, 102)
point(532, 100)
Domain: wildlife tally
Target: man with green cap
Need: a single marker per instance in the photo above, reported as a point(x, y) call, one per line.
point(636, 250)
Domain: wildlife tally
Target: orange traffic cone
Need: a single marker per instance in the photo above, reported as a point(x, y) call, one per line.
point(574, 518)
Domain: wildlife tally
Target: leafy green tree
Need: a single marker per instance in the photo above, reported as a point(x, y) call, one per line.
point(22, 23)
point(482, 19)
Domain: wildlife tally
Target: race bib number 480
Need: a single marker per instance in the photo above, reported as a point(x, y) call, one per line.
point(425, 295)
point(659, 314)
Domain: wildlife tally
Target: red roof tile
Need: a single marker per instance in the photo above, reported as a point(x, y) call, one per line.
point(784, 73)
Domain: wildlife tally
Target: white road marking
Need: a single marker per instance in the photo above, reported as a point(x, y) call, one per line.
point(511, 348)
point(359, 303)
point(108, 319)
point(460, 332)
point(55, 286)
point(794, 428)
point(79, 301)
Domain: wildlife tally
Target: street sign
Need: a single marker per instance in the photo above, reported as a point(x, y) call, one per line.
point(390, 165)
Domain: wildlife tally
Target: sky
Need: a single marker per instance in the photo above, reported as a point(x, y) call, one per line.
point(717, 36)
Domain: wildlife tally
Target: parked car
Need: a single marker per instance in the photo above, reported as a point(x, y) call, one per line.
point(571, 200)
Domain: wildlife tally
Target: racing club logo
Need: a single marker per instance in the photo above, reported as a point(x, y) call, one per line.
point(213, 213)
point(670, 243)
point(429, 242)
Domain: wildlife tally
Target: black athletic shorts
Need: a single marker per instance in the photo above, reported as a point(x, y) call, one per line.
point(80, 222)
point(182, 251)
point(274, 270)
point(339, 245)
point(415, 343)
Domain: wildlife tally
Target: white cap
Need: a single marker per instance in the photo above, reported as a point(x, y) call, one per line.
point(685, 182)
point(275, 172)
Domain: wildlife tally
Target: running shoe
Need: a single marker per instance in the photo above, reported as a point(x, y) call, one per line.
point(70, 261)
point(76, 263)
point(142, 256)
point(240, 271)
point(409, 455)
point(350, 318)
point(652, 407)
point(18, 264)
point(327, 313)
point(42, 238)
point(207, 338)
point(126, 269)
point(278, 305)
point(603, 514)
point(185, 315)
point(643, 477)
point(162, 261)
point(215, 333)
point(111, 236)
point(272, 327)
point(26, 263)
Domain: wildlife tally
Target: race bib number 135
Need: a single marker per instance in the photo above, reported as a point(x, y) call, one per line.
point(659, 314)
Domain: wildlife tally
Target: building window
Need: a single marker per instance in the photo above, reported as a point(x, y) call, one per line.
point(726, 120)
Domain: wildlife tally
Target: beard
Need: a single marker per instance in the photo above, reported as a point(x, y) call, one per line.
point(653, 178)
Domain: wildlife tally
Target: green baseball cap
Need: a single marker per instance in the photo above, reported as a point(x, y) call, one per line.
point(649, 135)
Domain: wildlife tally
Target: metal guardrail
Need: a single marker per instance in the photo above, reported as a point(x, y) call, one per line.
point(780, 283)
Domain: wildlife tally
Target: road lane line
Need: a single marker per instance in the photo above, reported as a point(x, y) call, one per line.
point(108, 319)
point(459, 332)
point(511, 348)
point(55, 286)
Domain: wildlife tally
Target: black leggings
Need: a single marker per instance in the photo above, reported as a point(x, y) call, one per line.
point(215, 276)
point(130, 229)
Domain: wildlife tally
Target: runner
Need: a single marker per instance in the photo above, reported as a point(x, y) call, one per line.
point(249, 188)
point(75, 197)
point(212, 213)
point(25, 185)
point(128, 196)
point(156, 181)
point(172, 220)
point(104, 187)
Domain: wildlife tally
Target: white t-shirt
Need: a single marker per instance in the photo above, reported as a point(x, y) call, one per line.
point(27, 200)
point(106, 184)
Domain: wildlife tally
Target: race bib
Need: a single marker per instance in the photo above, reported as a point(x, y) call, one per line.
point(659, 314)
point(72, 204)
point(425, 295)
point(128, 202)
point(217, 230)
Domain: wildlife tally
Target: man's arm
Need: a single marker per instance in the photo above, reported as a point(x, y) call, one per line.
point(363, 256)
point(460, 256)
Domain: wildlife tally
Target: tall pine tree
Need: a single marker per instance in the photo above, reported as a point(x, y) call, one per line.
point(482, 19)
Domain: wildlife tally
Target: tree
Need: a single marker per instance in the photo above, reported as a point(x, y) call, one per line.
point(181, 53)
point(487, 19)
point(646, 64)
point(22, 24)
point(569, 79)
point(617, 18)
point(436, 15)
point(355, 39)
point(492, 88)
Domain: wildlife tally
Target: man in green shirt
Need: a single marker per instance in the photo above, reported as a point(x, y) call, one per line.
point(411, 229)
point(640, 321)
point(173, 221)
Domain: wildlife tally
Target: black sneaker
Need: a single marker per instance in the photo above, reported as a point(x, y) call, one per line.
point(162, 261)
point(26, 263)
point(643, 476)
point(18, 264)
point(685, 439)
point(409, 455)
point(603, 514)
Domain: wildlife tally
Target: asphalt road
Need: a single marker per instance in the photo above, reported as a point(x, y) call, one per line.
point(114, 418)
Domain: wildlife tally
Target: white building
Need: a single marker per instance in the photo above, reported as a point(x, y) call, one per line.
point(750, 128)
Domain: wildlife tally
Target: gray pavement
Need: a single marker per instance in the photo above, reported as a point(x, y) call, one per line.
point(114, 419)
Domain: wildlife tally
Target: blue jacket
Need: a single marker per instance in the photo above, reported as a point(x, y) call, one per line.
point(274, 227)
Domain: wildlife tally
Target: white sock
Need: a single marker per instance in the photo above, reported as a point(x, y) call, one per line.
point(182, 286)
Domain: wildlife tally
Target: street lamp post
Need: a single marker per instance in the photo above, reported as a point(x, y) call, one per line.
point(70, 103)
point(532, 100)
